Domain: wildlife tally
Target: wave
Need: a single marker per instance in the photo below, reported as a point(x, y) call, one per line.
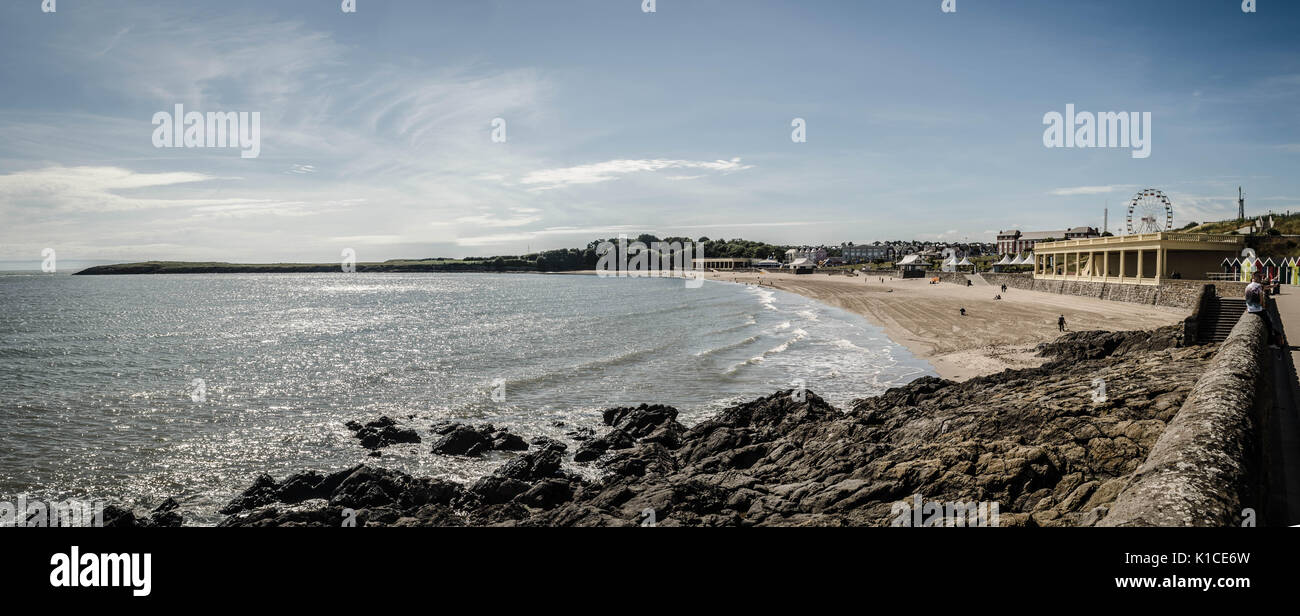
point(728, 347)
point(799, 334)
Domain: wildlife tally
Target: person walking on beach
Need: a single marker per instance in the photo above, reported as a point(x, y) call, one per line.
point(1060, 323)
point(963, 312)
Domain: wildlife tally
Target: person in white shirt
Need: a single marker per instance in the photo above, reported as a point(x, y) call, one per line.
point(1255, 299)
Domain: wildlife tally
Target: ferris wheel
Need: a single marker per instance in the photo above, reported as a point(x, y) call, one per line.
point(1150, 212)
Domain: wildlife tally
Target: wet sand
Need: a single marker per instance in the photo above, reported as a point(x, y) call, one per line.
point(993, 336)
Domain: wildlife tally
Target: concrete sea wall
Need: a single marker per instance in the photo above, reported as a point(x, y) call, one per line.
point(1173, 293)
point(1204, 470)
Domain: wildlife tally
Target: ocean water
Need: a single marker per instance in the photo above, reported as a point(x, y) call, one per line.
point(97, 373)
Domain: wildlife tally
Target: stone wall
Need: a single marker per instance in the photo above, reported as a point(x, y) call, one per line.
point(1204, 469)
point(1173, 293)
point(949, 277)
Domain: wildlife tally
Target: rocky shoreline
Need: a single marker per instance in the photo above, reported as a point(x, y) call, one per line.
point(1042, 443)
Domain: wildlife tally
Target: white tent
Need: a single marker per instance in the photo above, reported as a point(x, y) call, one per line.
point(1016, 261)
point(1006, 260)
point(965, 261)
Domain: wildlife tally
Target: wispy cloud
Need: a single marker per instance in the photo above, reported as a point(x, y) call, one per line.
point(97, 188)
point(547, 179)
point(1090, 190)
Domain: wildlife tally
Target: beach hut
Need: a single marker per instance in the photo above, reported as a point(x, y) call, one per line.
point(1230, 266)
point(912, 266)
point(1285, 265)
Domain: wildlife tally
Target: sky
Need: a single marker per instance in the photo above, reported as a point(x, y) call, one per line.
point(377, 127)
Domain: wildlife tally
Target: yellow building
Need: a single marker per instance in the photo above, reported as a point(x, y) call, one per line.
point(1135, 259)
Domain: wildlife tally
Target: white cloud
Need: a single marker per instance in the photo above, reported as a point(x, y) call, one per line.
point(97, 188)
point(547, 179)
point(485, 220)
point(1089, 190)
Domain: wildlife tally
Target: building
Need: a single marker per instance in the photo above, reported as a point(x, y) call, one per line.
point(1135, 259)
point(800, 266)
point(815, 254)
point(911, 266)
point(718, 263)
point(866, 252)
point(1015, 241)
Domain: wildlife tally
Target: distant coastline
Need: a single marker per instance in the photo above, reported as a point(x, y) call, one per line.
point(194, 267)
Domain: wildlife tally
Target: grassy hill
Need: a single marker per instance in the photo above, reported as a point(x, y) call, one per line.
point(1286, 224)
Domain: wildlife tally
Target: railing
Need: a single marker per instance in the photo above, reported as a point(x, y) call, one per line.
point(1146, 280)
point(1145, 237)
point(1224, 276)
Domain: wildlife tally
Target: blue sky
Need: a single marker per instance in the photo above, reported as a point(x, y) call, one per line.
point(376, 126)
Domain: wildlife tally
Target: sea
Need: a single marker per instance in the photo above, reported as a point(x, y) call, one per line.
point(133, 389)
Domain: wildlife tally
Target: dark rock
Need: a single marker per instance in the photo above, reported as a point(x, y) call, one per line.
point(547, 493)
point(581, 434)
point(505, 441)
point(119, 517)
point(382, 433)
point(497, 489)
point(460, 439)
point(264, 491)
point(594, 448)
point(301, 487)
point(533, 465)
point(543, 442)
point(1034, 441)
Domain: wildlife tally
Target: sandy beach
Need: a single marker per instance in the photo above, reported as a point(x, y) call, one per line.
point(993, 336)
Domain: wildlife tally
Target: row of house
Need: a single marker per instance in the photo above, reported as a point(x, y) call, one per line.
point(1016, 242)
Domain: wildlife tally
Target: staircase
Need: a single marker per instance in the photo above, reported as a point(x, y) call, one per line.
point(977, 280)
point(1218, 318)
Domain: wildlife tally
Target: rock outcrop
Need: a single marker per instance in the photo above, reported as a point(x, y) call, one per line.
point(458, 439)
point(1051, 446)
point(382, 432)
